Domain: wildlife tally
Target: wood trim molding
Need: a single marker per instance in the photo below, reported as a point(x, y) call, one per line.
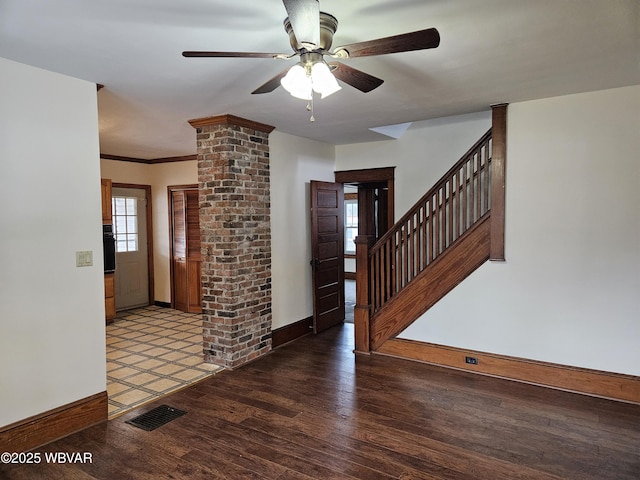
point(288, 333)
point(498, 178)
point(612, 386)
point(365, 175)
point(231, 120)
point(46, 427)
point(149, 161)
point(182, 158)
point(368, 176)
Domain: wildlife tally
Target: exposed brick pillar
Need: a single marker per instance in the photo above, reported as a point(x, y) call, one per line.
point(233, 177)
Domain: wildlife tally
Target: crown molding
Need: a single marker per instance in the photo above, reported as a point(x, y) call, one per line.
point(149, 161)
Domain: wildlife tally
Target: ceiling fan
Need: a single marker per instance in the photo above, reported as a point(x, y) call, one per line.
point(311, 35)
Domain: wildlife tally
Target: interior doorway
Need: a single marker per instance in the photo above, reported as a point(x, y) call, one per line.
point(131, 209)
point(185, 256)
point(369, 210)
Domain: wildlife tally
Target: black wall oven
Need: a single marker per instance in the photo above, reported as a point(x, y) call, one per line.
point(109, 249)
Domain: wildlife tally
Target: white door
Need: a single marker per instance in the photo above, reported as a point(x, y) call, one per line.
point(132, 261)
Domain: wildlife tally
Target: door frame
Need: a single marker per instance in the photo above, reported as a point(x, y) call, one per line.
point(170, 190)
point(148, 208)
point(371, 177)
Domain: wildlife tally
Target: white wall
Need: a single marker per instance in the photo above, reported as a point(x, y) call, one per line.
point(162, 176)
point(52, 345)
point(294, 161)
point(421, 156)
point(569, 291)
point(159, 176)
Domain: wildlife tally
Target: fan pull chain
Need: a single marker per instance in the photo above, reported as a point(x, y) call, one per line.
point(310, 108)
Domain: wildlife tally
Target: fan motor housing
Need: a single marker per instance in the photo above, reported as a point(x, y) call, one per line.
point(328, 26)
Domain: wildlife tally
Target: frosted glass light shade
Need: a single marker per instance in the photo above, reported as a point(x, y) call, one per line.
point(323, 80)
point(297, 82)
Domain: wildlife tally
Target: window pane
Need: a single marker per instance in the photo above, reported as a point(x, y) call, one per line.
point(131, 205)
point(120, 224)
point(118, 206)
point(350, 235)
point(132, 224)
point(350, 225)
point(132, 243)
point(125, 223)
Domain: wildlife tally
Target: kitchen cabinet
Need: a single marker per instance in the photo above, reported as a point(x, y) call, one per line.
point(109, 297)
point(109, 278)
point(106, 201)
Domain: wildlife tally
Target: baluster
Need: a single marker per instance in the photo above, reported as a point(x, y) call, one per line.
point(434, 226)
point(412, 247)
point(472, 192)
point(478, 200)
point(438, 224)
point(423, 236)
point(387, 271)
point(449, 187)
point(378, 280)
point(405, 246)
point(487, 159)
point(398, 275)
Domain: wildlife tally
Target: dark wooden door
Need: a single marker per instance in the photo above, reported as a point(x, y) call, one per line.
point(186, 259)
point(327, 247)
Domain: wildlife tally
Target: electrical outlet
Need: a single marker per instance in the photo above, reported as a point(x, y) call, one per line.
point(471, 360)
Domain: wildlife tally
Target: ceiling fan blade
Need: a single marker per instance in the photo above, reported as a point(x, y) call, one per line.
point(231, 54)
point(271, 85)
point(406, 42)
point(304, 16)
point(356, 78)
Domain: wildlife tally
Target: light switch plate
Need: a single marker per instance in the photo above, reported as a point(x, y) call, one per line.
point(84, 258)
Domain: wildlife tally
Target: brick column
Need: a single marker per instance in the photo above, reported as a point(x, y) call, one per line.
point(233, 177)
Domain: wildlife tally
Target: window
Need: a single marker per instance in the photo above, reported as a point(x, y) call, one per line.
point(350, 224)
point(125, 223)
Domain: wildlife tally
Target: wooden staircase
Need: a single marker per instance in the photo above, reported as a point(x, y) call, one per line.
point(452, 230)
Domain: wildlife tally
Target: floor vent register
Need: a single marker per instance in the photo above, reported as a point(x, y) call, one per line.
point(156, 418)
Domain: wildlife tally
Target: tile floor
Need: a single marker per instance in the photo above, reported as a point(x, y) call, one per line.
point(152, 351)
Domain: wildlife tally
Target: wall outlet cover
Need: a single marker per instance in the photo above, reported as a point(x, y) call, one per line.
point(84, 258)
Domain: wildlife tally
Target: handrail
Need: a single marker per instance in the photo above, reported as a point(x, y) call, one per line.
point(448, 209)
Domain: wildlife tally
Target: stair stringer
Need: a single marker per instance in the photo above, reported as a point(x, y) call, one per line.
point(455, 264)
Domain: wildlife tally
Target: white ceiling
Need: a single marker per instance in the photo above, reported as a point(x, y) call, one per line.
point(491, 51)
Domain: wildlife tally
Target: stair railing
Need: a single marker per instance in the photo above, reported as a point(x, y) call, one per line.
point(458, 200)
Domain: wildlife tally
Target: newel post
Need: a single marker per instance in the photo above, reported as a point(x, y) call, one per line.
point(498, 178)
point(362, 309)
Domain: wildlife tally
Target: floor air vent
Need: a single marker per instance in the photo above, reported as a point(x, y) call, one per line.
point(156, 418)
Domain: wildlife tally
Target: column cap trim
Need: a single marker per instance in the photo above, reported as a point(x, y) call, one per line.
point(231, 120)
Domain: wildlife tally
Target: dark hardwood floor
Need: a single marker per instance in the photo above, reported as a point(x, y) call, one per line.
point(313, 410)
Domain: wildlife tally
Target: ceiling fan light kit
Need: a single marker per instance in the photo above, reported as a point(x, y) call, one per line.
point(310, 75)
point(311, 36)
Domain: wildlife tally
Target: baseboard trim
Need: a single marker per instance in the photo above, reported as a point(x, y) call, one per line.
point(609, 385)
point(46, 427)
point(162, 304)
point(291, 332)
